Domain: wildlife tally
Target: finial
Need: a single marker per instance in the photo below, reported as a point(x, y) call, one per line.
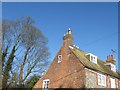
point(69, 29)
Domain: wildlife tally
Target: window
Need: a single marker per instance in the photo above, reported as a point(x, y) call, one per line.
point(46, 83)
point(59, 58)
point(113, 68)
point(112, 83)
point(92, 57)
point(101, 80)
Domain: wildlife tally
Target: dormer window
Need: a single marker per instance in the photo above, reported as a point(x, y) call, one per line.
point(92, 57)
point(111, 66)
point(59, 58)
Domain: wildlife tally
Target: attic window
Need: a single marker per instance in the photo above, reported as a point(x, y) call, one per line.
point(111, 66)
point(46, 83)
point(59, 58)
point(92, 57)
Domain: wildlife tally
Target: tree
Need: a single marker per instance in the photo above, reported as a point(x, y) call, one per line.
point(7, 52)
point(24, 51)
point(31, 81)
point(0, 55)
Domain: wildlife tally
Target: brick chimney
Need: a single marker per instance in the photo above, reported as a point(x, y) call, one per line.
point(68, 38)
point(110, 59)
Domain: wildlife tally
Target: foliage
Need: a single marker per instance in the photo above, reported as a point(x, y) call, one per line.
point(31, 81)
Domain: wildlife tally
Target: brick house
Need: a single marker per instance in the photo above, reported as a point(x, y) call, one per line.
point(74, 68)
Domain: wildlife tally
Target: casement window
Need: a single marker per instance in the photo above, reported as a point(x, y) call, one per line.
point(101, 79)
point(112, 83)
point(59, 58)
point(46, 83)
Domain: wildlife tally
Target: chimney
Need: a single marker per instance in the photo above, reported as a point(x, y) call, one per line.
point(110, 59)
point(68, 38)
point(110, 62)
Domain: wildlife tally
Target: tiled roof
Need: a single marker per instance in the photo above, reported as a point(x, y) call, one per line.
point(100, 66)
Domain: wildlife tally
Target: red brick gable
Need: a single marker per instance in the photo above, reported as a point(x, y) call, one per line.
point(69, 73)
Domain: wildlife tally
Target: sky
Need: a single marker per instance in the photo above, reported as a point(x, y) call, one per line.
point(94, 25)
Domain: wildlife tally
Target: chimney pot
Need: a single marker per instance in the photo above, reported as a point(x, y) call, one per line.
point(110, 58)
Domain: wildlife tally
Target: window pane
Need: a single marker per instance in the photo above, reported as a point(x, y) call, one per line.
point(59, 58)
point(91, 58)
point(101, 80)
point(46, 83)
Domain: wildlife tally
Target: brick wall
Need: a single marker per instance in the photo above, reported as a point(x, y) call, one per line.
point(69, 73)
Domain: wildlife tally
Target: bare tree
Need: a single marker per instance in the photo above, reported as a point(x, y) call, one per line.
point(24, 51)
point(0, 54)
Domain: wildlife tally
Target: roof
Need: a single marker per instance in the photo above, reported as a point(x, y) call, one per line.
point(100, 66)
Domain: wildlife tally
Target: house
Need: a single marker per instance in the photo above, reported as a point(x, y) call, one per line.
point(74, 68)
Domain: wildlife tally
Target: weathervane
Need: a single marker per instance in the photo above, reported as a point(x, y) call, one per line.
point(113, 52)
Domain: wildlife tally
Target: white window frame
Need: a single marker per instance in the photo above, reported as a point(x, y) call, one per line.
point(59, 59)
point(112, 66)
point(101, 80)
point(113, 85)
point(92, 58)
point(45, 83)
